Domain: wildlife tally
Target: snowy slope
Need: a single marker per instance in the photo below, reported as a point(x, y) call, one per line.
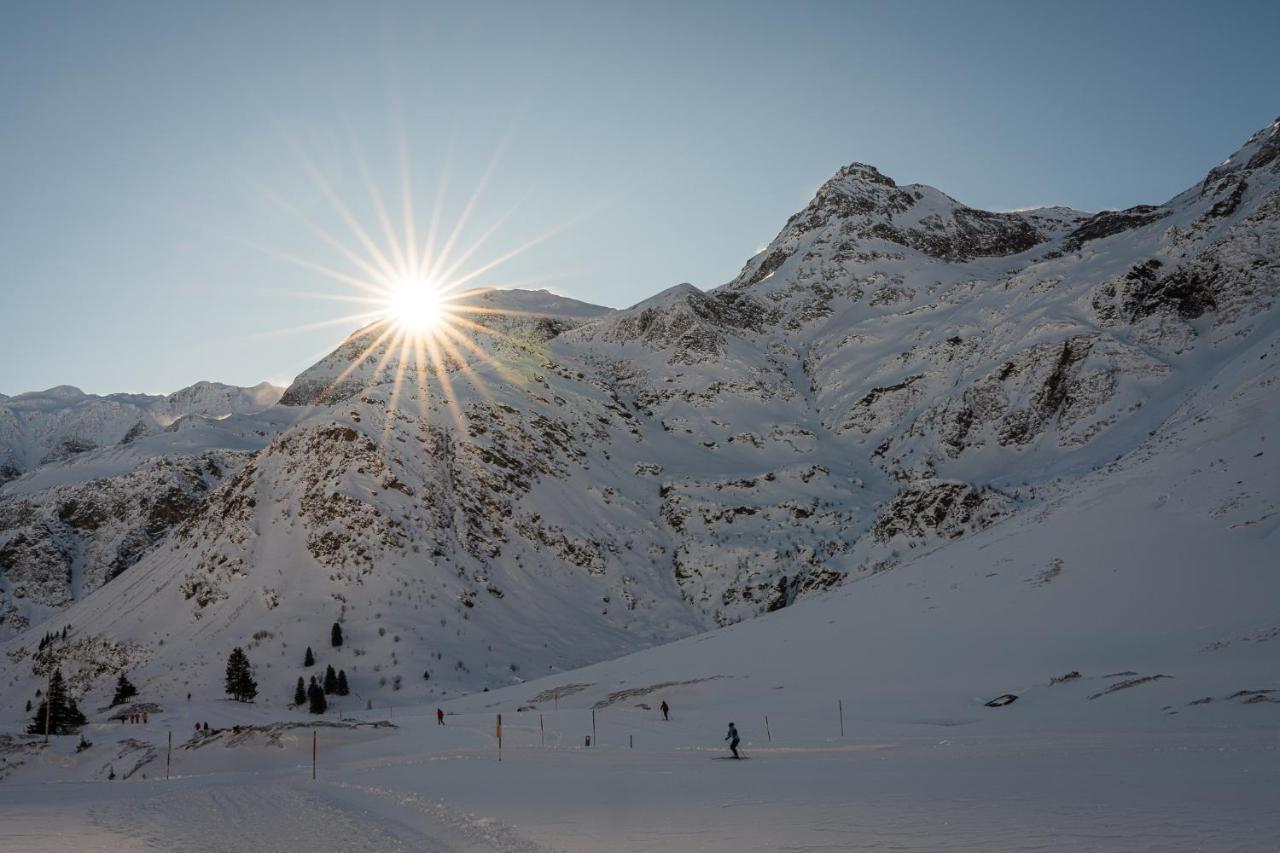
point(895, 371)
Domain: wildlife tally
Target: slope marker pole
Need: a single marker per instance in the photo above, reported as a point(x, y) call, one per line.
point(168, 757)
point(766, 728)
point(594, 739)
point(314, 748)
point(542, 731)
point(48, 707)
point(840, 703)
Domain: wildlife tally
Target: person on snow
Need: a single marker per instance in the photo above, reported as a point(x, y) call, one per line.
point(666, 709)
point(733, 739)
point(206, 727)
point(197, 727)
point(439, 716)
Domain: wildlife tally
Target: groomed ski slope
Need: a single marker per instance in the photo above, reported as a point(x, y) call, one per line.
point(1163, 565)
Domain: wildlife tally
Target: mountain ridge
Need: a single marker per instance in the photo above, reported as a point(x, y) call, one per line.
point(893, 371)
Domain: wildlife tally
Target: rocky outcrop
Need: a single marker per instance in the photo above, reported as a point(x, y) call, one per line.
point(1109, 223)
point(64, 542)
point(938, 508)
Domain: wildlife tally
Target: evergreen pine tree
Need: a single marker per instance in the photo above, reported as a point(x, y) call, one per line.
point(124, 690)
point(57, 711)
point(335, 636)
point(28, 706)
point(310, 659)
point(315, 695)
point(300, 693)
point(239, 682)
point(343, 689)
point(330, 681)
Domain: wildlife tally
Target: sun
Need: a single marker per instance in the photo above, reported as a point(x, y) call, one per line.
point(416, 305)
point(420, 322)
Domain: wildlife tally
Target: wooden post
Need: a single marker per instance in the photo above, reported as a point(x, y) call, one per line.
point(48, 707)
point(594, 739)
point(168, 758)
point(499, 737)
point(840, 703)
point(766, 728)
point(314, 747)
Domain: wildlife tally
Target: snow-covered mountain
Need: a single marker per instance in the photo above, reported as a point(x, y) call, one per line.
point(69, 526)
point(49, 426)
point(895, 370)
point(106, 478)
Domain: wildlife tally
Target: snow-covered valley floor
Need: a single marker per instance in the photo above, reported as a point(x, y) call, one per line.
point(923, 786)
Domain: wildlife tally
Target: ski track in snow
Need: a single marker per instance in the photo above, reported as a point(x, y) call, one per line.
point(255, 817)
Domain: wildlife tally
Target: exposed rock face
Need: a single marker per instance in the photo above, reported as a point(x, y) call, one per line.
point(683, 321)
point(63, 542)
point(892, 371)
point(932, 508)
point(1108, 223)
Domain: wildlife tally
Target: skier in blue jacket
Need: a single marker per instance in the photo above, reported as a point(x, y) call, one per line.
point(733, 739)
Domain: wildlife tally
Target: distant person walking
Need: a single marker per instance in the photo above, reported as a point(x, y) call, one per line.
point(733, 739)
point(439, 716)
point(666, 710)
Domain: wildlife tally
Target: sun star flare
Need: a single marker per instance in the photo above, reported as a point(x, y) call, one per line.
point(417, 306)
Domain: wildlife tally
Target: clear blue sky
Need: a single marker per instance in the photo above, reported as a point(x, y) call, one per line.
point(139, 142)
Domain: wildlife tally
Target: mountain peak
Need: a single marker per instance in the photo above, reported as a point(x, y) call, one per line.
point(859, 173)
point(675, 293)
point(1260, 149)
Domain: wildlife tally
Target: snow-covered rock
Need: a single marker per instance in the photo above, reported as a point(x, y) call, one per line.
point(50, 426)
point(563, 483)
